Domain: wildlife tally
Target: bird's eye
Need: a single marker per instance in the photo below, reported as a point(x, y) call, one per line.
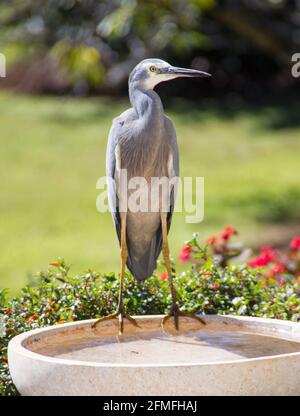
point(152, 69)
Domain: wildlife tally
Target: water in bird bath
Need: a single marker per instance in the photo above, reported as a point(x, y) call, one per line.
point(246, 356)
point(161, 348)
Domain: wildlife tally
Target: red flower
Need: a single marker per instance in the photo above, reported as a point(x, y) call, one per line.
point(224, 235)
point(268, 254)
point(228, 232)
point(7, 311)
point(276, 269)
point(295, 243)
point(185, 253)
point(258, 262)
point(211, 241)
point(163, 276)
point(32, 317)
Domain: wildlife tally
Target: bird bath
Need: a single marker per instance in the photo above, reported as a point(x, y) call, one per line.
point(227, 356)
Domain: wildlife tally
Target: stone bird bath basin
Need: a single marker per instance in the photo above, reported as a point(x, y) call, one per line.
point(227, 356)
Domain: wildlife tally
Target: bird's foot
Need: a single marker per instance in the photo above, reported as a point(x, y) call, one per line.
point(176, 313)
point(120, 315)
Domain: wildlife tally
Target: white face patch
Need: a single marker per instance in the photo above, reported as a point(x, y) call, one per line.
point(155, 78)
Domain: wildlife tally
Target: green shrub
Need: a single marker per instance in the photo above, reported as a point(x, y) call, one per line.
point(60, 297)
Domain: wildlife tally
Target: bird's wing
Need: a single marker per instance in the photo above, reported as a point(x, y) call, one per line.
point(173, 165)
point(173, 172)
point(110, 174)
point(116, 134)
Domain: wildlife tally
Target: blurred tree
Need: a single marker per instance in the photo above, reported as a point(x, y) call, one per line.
point(247, 44)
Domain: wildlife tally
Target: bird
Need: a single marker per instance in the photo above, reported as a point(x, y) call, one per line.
point(142, 142)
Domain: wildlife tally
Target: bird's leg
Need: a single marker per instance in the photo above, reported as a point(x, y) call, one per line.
point(120, 313)
point(124, 253)
point(175, 311)
point(166, 254)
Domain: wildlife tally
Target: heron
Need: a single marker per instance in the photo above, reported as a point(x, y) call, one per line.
point(142, 141)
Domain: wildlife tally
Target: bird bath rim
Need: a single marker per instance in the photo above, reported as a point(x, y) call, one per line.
point(272, 328)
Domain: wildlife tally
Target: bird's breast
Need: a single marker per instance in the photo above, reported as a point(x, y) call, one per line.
point(145, 156)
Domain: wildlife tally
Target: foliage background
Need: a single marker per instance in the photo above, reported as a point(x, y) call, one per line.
point(67, 67)
point(246, 44)
point(68, 63)
point(60, 296)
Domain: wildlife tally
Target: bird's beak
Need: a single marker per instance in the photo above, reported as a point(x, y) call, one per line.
point(175, 72)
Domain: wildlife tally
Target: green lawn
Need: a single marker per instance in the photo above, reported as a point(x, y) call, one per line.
point(52, 151)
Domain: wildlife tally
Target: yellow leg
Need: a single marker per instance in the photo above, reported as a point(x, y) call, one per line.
point(175, 312)
point(166, 256)
point(120, 313)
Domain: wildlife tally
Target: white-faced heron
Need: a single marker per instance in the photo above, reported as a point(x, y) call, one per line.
point(142, 142)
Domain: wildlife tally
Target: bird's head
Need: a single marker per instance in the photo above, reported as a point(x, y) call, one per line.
point(150, 72)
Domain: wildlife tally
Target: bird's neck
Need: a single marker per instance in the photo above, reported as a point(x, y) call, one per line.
point(147, 105)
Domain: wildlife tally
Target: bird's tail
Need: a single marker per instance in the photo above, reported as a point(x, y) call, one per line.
point(141, 261)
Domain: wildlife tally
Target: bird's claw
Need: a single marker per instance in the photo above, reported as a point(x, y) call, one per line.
point(120, 316)
point(176, 313)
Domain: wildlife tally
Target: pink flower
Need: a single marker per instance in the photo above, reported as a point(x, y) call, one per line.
point(295, 243)
point(297, 280)
point(185, 253)
point(281, 281)
point(214, 286)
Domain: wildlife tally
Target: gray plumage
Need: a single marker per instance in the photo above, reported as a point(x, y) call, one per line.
point(143, 141)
